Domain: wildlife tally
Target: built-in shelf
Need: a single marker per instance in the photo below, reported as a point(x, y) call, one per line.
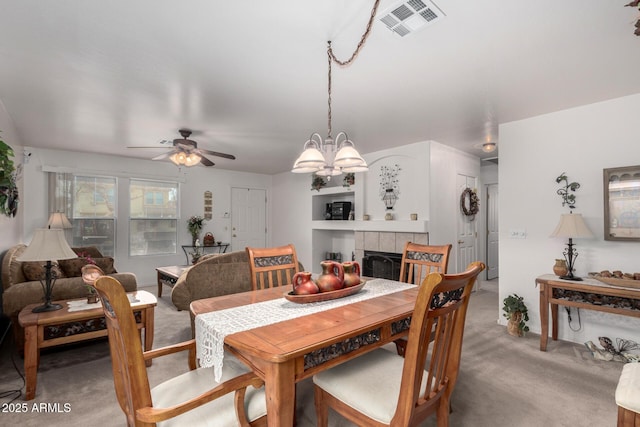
point(397, 226)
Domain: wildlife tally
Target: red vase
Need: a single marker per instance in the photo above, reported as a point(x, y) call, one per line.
point(303, 285)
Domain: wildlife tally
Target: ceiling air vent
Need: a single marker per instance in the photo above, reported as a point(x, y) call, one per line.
point(407, 17)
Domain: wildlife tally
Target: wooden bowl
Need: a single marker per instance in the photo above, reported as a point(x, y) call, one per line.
point(614, 281)
point(324, 296)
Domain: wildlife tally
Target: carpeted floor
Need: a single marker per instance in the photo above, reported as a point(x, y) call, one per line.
point(504, 381)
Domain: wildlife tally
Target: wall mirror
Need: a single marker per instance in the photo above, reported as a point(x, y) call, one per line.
point(622, 203)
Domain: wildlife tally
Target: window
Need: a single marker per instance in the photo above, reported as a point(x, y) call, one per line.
point(153, 213)
point(93, 201)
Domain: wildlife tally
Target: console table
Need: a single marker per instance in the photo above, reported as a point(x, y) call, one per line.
point(589, 294)
point(219, 247)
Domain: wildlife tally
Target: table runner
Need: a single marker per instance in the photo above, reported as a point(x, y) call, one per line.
point(213, 327)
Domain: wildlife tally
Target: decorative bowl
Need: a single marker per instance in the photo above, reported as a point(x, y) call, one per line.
point(614, 281)
point(324, 296)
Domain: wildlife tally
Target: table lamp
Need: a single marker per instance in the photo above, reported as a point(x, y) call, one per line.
point(571, 225)
point(47, 244)
point(59, 220)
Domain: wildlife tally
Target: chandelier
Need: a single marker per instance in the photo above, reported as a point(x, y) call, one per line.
point(331, 157)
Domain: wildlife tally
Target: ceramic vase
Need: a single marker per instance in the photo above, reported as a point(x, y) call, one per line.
point(513, 325)
point(560, 268)
point(351, 273)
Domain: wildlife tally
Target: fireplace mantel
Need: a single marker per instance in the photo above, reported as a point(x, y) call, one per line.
point(397, 226)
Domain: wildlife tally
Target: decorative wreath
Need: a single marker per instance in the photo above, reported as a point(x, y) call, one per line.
point(473, 202)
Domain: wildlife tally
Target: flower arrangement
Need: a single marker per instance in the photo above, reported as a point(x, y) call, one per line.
point(195, 224)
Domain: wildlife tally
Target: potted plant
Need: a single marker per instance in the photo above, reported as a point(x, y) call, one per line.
point(195, 224)
point(517, 314)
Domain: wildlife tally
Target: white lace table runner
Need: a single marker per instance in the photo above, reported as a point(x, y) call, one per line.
point(213, 327)
point(82, 304)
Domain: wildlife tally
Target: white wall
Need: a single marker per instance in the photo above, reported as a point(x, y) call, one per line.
point(195, 181)
point(533, 152)
point(292, 214)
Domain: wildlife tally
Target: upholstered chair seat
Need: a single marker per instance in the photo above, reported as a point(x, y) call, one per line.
point(369, 383)
point(220, 412)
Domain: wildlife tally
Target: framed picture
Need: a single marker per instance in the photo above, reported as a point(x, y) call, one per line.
point(622, 203)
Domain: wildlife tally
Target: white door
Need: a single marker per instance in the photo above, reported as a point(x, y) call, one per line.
point(492, 231)
point(248, 218)
point(467, 229)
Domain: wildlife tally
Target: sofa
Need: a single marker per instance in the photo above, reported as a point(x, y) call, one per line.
point(213, 275)
point(21, 285)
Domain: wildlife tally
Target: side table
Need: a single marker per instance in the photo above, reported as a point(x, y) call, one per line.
point(219, 247)
point(169, 276)
point(52, 328)
point(589, 294)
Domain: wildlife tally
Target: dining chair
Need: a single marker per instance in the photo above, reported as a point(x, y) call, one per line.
point(418, 261)
point(272, 267)
point(381, 388)
point(191, 399)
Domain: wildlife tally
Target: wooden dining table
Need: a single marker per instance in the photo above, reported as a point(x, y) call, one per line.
point(289, 351)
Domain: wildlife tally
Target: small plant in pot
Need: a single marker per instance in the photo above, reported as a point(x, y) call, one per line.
point(517, 314)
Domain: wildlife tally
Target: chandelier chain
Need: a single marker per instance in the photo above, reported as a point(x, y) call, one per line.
point(331, 57)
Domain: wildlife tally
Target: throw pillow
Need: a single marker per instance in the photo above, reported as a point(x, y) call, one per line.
point(34, 270)
point(73, 267)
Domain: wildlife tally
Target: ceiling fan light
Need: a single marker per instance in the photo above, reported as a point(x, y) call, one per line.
point(174, 159)
point(488, 147)
point(192, 159)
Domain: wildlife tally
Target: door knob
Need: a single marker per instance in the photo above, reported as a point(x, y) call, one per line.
point(460, 242)
point(235, 235)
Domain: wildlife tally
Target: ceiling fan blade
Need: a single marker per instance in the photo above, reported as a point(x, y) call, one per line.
point(215, 153)
point(155, 148)
point(205, 161)
point(163, 156)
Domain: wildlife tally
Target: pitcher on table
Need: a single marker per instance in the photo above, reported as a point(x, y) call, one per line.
point(351, 273)
point(332, 277)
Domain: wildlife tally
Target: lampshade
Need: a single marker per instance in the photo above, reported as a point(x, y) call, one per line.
point(47, 244)
point(59, 220)
point(572, 225)
point(320, 156)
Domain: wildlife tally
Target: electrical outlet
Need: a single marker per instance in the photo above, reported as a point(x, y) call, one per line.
point(517, 233)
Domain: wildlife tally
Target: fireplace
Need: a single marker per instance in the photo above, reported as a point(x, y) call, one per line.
point(384, 265)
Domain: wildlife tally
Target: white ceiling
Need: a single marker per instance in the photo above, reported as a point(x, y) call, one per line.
point(251, 77)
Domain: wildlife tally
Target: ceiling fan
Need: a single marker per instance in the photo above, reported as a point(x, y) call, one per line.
point(186, 152)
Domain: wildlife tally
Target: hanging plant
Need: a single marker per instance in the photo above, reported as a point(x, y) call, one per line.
point(8, 185)
point(469, 202)
point(566, 191)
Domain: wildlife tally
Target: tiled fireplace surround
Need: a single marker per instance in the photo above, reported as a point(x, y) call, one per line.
point(385, 241)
